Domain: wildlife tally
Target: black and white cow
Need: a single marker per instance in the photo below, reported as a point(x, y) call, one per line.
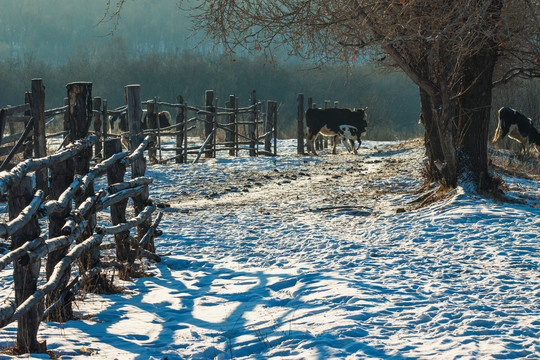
point(518, 127)
point(343, 123)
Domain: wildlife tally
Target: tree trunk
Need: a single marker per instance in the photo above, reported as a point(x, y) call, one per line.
point(438, 114)
point(432, 141)
point(473, 122)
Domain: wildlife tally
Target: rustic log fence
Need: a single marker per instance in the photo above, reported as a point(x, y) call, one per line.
point(74, 236)
point(231, 128)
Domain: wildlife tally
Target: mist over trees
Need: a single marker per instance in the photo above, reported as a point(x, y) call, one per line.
point(152, 44)
point(391, 100)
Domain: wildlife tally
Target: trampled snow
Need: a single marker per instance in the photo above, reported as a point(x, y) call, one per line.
point(301, 257)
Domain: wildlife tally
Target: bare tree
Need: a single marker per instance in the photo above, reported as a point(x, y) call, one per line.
point(452, 49)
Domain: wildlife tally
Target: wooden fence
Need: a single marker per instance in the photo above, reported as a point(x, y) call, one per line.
point(230, 128)
point(74, 236)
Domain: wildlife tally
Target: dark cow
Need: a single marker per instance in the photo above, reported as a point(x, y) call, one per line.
point(344, 123)
point(518, 127)
point(163, 116)
point(164, 121)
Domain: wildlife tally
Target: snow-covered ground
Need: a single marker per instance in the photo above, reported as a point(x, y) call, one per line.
point(301, 257)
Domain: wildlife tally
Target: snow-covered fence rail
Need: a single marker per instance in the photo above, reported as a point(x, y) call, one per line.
point(230, 128)
point(73, 232)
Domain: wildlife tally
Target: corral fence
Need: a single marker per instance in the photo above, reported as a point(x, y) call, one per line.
point(322, 141)
point(230, 128)
point(57, 214)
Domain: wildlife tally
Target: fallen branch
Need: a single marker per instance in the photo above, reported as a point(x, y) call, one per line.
point(203, 147)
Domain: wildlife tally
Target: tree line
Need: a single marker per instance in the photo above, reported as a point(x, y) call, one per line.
point(391, 99)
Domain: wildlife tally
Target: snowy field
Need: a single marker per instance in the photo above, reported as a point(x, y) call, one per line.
point(301, 257)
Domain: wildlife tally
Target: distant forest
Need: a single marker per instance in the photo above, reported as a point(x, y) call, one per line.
point(64, 41)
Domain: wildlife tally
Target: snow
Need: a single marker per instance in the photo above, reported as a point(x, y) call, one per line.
point(301, 257)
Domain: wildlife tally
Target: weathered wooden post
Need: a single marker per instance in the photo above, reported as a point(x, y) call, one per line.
point(115, 174)
point(236, 130)
point(231, 120)
point(61, 177)
point(79, 120)
point(336, 104)
point(3, 120)
point(40, 145)
point(253, 124)
point(270, 130)
point(28, 149)
point(300, 124)
point(134, 114)
point(25, 276)
point(152, 114)
point(105, 116)
point(215, 128)
point(209, 123)
point(180, 118)
point(138, 167)
point(97, 127)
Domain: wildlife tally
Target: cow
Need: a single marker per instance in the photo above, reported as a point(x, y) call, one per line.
point(163, 116)
point(343, 123)
point(518, 127)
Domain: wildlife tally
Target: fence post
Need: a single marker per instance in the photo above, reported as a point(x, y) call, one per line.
point(97, 127)
point(3, 120)
point(152, 118)
point(253, 124)
point(25, 277)
point(134, 114)
point(300, 124)
point(28, 148)
point(79, 120)
point(40, 144)
point(61, 177)
point(138, 167)
point(105, 116)
point(270, 129)
point(115, 174)
point(209, 123)
point(180, 118)
point(230, 134)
